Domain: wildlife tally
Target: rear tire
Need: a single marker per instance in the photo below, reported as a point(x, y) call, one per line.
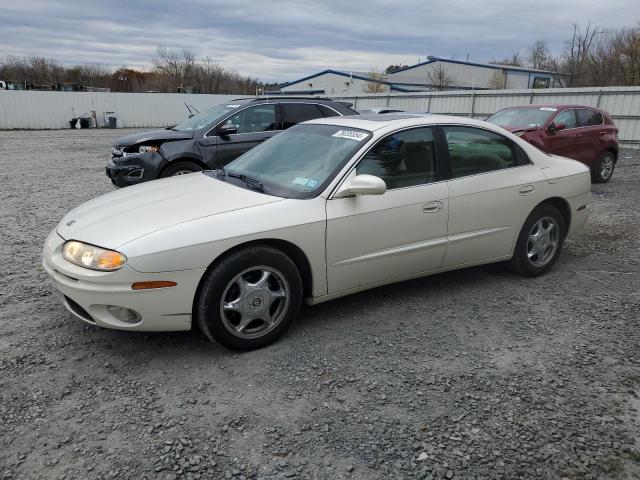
point(603, 171)
point(540, 241)
point(250, 298)
point(180, 168)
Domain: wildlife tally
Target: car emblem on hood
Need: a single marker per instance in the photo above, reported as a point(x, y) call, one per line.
point(70, 222)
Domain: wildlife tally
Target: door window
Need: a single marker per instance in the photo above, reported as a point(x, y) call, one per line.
point(473, 151)
point(299, 112)
point(260, 118)
point(568, 117)
point(588, 118)
point(403, 159)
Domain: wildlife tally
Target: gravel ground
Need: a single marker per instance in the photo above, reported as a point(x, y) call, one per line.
point(471, 374)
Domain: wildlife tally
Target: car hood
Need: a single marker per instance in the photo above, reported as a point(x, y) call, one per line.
point(124, 215)
point(158, 135)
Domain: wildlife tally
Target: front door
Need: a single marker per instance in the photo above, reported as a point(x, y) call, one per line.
point(564, 142)
point(493, 188)
point(253, 126)
point(379, 238)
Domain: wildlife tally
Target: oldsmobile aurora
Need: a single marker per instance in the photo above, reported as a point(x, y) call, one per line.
point(327, 208)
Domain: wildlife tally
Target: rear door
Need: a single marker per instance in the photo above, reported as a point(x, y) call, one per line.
point(590, 123)
point(492, 189)
point(253, 126)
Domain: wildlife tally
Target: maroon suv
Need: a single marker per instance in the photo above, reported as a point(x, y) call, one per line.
point(586, 134)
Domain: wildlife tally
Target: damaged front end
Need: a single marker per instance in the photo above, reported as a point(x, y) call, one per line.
point(131, 165)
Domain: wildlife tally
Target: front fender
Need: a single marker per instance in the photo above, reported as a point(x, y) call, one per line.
point(171, 151)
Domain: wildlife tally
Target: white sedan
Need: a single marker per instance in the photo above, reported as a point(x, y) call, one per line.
point(327, 208)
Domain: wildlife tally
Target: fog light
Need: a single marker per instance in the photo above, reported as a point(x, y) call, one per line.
point(125, 315)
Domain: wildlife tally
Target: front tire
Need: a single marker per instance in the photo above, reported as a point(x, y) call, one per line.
point(180, 168)
point(540, 241)
point(603, 171)
point(250, 298)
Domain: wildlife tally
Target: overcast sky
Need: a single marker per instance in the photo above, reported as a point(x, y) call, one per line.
point(282, 40)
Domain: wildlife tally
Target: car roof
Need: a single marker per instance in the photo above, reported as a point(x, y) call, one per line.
point(553, 105)
point(380, 121)
point(283, 98)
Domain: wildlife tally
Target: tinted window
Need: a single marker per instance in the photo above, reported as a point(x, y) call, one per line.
point(327, 112)
point(588, 118)
point(294, 113)
point(260, 118)
point(403, 159)
point(568, 117)
point(474, 151)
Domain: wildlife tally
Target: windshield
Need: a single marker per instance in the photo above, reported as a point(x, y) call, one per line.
point(205, 118)
point(301, 161)
point(533, 117)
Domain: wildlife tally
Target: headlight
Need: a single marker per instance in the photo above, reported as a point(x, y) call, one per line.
point(90, 256)
point(148, 148)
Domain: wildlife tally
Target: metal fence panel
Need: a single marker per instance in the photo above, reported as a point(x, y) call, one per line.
point(43, 110)
point(623, 103)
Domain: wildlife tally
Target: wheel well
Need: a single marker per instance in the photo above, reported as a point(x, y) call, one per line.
point(563, 206)
point(183, 159)
point(294, 252)
point(613, 150)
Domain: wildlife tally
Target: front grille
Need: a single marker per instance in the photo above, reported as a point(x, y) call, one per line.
point(78, 310)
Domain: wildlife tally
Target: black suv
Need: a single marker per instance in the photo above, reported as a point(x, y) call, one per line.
point(213, 138)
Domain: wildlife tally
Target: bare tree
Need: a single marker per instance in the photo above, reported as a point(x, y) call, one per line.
point(375, 84)
point(541, 58)
point(577, 53)
point(515, 60)
point(439, 79)
point(498, 80)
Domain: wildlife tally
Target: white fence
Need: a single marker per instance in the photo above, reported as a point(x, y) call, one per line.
point(43, 110)
point(623, 103)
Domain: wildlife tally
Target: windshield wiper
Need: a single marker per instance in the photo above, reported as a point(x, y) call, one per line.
point(250, 181)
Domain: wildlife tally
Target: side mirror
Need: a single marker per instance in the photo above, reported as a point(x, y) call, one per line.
point(227, 129)
point(556, 127)
point(362, 185)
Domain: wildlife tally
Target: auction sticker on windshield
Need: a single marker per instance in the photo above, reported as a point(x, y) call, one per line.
point(351, 135)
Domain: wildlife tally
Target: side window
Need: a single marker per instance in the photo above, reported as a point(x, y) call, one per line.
point(403, 159)
point(294, 113)
point(327, 112)
point(567, 117)
point(260, 118)
point(473, 151)
point(589, 118)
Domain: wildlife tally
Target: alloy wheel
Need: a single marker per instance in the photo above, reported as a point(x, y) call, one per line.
point(543, 241)
point(254, 302)
point(606, 167)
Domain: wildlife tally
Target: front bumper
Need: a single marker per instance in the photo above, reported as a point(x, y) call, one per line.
point(89, 294)
point(134, 169)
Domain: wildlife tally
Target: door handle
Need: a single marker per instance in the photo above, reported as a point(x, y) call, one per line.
point(527, 190)
point(432, 207)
